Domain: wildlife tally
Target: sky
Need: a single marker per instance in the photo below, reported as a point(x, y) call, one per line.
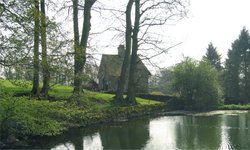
point(216, 21)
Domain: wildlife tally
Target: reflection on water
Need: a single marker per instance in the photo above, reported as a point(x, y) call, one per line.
point(162, 133)
point(92, 142)
point(65, 146)
point(225, 138)
point(130, 135)
point(219, 131)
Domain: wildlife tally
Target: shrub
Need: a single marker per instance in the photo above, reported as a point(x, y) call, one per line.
point(197, 84)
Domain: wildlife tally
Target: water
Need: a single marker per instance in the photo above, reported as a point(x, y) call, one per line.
point(219, 130)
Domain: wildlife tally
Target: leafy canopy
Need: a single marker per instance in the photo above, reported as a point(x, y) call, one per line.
point(197, 84)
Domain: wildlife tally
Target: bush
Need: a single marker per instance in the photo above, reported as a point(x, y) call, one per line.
point(197, 84)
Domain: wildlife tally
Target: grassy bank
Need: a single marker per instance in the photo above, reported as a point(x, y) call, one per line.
point(235, 107)
point(22, 117)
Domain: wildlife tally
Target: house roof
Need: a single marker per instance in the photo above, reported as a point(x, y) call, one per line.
point(112, 64)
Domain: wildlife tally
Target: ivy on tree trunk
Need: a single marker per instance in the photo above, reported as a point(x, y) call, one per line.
point(131, 82)
point(123, 76)
point(35, 88)
point(45, 65)
point(80, 47)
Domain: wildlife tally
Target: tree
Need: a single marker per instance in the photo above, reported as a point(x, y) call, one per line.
point(122, 79)
point(197, 84)
point(162, 81)
point(237, 70)
point(80, 46)
point(35, 82)
point(133, 61)
point(45, 65)
point(165, 82)
point(232, 89)
point(244, 48)
point(16, 24)
point(213, 56)
point(149, 14)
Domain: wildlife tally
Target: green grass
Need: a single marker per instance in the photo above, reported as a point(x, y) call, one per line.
point(235, 107)
point(15, 86)
point(95, 99)
point(60, 91)
point(89, 100)
point(146, 102)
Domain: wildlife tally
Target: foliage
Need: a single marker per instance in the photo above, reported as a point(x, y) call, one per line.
point(16, 26)
point(176, 103)
point(24, 118)
point(197, 84)
point(237, 74)
point(20, 116)
point(213, 57)
point(162, 81)
point(15, 87)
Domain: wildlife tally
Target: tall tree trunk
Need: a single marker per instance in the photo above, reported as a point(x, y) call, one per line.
point(86, 24)
point(80, 48)
point(85, 30)
point(35, 88)
point(123, 76)
point(131, 83)
point(45, 66)
point(77, 63)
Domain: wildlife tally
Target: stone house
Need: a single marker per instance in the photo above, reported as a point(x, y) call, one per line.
point(110, 70)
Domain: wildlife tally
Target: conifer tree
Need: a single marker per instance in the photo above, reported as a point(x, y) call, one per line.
point(213, 57)
point(237, 72)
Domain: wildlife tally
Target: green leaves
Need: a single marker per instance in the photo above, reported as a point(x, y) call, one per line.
point(213, 57)
point(21, 116)
point(197, 83)
point(237, 74)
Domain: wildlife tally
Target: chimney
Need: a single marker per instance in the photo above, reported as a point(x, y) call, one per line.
point(121, 51)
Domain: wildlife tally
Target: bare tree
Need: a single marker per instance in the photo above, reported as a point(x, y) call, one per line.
point(122, 79)
point(148, 14)
point(132, 70)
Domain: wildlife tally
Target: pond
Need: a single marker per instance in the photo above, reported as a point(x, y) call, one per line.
point(215, 130)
